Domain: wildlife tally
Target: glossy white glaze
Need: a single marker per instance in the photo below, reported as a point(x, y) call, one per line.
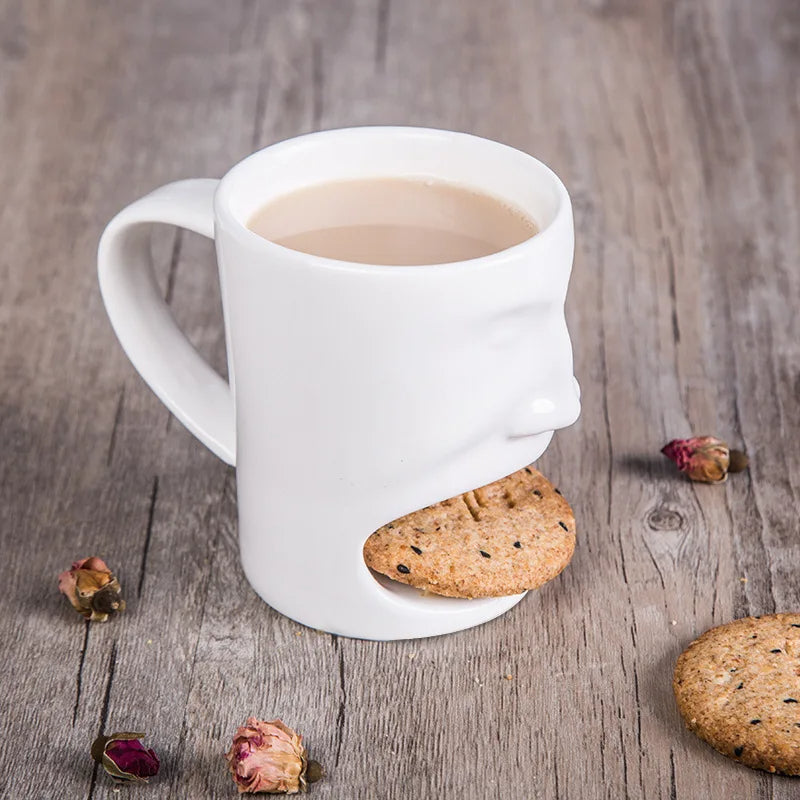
point(358, 393)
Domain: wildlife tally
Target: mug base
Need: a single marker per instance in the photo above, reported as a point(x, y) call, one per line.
point(398, 612)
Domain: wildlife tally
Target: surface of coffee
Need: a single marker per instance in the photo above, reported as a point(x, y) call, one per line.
point(393, 221)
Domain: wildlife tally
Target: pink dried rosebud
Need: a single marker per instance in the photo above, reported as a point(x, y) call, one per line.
point(270, 757)
point(705, 458)
point(124, 757)
point(92, 589)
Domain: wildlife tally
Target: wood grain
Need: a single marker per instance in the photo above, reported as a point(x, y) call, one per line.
point(673, 123)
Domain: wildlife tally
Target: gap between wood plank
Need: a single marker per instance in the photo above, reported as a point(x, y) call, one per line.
point(174, 259)
point(148, 535)
point(382, 34)
point(117, 419)
point(606, 415)
point(340, 717)
point(261, 105)
point(262, 90)
point(673, 792)
point(317, 84)
point(112, 664)
point(555, 775)
point(79, 678)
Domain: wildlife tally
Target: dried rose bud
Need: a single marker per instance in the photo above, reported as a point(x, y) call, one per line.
point(705, 458)
point(92, 589)
point(270, 757)
point(124, 757)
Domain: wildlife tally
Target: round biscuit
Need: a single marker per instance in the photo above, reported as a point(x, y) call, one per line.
point(502, 539)
point(738, 688)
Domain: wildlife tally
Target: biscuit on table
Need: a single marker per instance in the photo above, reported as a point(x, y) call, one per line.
point(514, 534)
point(738, 688)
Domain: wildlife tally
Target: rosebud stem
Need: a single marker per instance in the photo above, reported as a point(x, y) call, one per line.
point(99, 747)
point(314, 771)
point(738, 461)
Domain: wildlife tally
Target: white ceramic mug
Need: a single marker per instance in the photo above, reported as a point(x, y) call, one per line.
point(357, 393)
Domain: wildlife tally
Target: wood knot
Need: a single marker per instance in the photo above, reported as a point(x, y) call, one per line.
point(664, 519)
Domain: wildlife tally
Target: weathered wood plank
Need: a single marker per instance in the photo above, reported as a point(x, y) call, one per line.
point(675, 127)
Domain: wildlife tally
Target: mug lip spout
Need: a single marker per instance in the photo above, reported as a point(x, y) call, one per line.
point(225, 214)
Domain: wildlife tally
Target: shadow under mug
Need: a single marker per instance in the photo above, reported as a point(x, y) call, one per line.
point(357, 393)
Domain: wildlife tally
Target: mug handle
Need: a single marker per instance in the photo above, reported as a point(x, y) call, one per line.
point(194, 392)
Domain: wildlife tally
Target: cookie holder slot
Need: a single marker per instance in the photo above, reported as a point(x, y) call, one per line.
point(335, 590)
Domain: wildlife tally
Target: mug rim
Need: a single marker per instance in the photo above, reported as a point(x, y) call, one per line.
point(223, 211)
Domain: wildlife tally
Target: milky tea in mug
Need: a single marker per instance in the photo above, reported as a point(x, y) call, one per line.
point(393, 221)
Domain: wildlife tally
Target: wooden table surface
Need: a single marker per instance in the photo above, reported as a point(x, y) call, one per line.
point(674, 124)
